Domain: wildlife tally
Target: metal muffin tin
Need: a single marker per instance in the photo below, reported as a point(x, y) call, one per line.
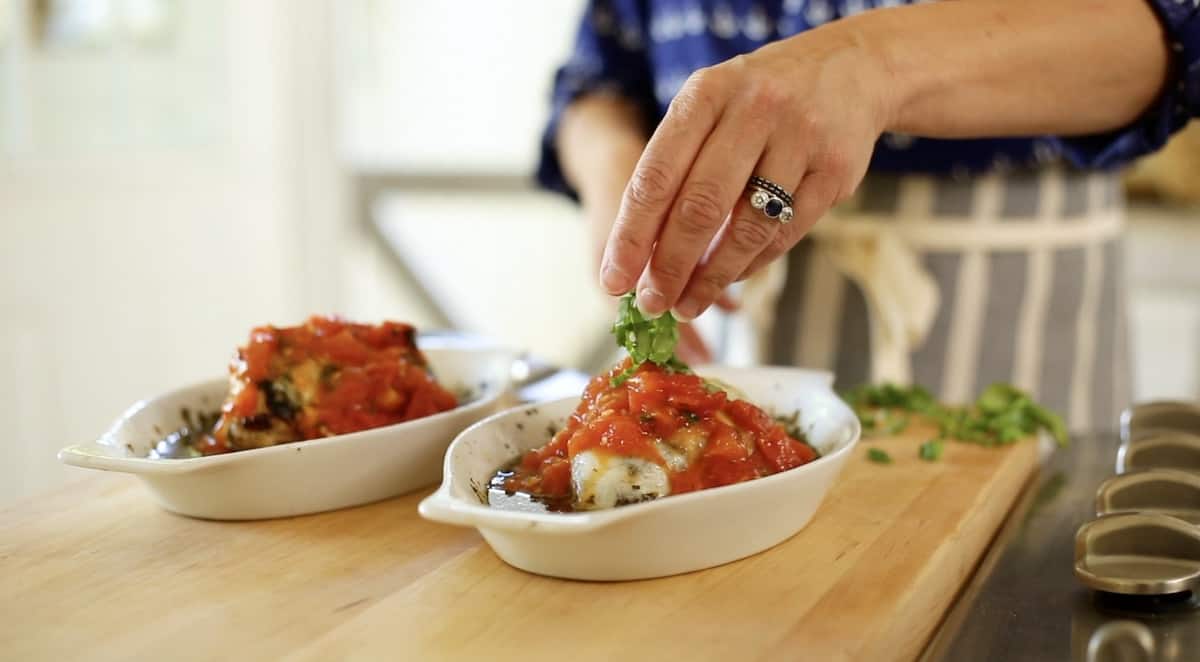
point(1145, 540)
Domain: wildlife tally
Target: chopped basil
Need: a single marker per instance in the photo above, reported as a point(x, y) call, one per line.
point(931, 450)
point(879, 456)
point(1003, 413)
point(895, 423)
point(645, 339)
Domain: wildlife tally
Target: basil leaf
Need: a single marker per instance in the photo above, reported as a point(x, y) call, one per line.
point(931, 450)
point(1052, 422)
point(645, 339)
point(895, 424)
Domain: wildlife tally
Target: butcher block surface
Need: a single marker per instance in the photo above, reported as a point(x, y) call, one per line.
point(98, 571)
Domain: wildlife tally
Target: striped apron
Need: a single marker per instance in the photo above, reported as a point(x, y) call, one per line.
point(958, 283)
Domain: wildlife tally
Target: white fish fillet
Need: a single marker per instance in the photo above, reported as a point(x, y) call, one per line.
point(601, 480)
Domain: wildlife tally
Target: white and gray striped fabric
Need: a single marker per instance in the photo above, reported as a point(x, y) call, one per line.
point(1046, 313)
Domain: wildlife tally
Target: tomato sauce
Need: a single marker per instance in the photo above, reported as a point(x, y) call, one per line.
point(721, 440)
point(323, 378)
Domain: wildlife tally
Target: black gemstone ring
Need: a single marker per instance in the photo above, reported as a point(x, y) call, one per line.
point(770, 198)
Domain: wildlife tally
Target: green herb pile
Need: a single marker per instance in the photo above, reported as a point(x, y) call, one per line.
point(1002, 415)
point(645, 339)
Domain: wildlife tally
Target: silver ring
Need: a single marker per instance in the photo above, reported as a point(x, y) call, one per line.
point(770, 199)
point(771, 187)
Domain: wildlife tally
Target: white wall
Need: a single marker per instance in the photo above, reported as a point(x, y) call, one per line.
point(453, 89)
point(134, 257)
point(448, 87)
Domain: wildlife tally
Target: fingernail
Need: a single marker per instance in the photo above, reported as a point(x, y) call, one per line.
point(611, 279)
point(685, 312)
point(651, 302)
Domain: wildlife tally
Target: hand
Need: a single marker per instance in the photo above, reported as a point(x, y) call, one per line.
point(804, 113)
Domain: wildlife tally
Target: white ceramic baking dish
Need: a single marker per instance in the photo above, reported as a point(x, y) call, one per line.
point(303, 477)
point(668, 536)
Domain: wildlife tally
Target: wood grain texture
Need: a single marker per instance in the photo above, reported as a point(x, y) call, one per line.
point(97, 571)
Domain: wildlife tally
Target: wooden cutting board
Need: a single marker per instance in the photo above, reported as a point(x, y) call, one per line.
point(97, 571)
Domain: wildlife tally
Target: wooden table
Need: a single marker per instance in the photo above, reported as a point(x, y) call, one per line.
point(98, 571)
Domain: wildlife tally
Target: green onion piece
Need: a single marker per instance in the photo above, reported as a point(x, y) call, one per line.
point(879, 456)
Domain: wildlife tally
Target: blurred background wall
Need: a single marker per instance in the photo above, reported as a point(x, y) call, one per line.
point(174, 172)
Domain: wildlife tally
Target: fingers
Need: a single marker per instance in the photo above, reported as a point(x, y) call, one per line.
point(747, 233)
point(711, 190)
point(728, 303)
point(655, 181)
point(818, 192)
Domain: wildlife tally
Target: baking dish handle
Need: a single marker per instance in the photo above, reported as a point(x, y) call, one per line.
point(441, 507)
point(106, 457)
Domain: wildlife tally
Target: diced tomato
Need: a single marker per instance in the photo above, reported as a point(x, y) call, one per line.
point(556, 477)
point(256, 356)
point(422, 404)
point(343, 347)
point(725, 443)
point(750, 417)
point(685, 394)
point(720, 471)
point(619, 435)
point(660, 421)
point(783, 452)
point(647, 392)
point(694, 398)
point(324, 326)
point(687, 481)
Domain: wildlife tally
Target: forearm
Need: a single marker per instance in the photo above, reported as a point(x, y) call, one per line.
point(600, 139)
point(1015, 67)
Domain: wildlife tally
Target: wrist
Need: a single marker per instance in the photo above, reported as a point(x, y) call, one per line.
point(888, 85)
point(857, 51)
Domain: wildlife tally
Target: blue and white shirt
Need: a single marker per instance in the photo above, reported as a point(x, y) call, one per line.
point(646, 49)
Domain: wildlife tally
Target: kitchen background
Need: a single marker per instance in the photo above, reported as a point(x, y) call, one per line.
point(174, 172)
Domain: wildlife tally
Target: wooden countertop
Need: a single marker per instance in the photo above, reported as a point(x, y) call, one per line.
point(98, 571)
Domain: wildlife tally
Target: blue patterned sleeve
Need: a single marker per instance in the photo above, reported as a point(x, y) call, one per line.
point(1179, 102)
point(610, 56)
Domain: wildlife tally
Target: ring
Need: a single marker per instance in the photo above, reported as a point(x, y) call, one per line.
point(770, 198)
